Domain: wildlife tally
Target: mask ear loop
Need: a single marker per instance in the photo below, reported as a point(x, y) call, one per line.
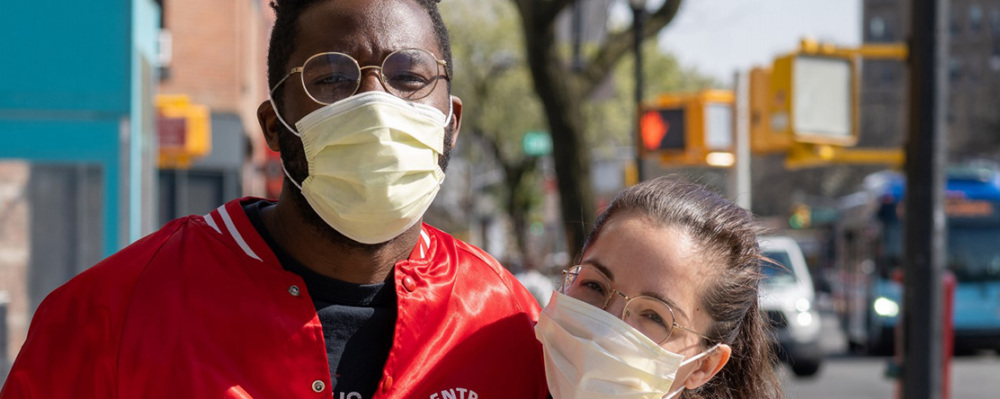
point(278, 114)
point(270, 98)
point(451, 112)
point(688, 361)
point(290, 178)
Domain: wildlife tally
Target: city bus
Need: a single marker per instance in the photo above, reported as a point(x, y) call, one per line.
point(869, 255)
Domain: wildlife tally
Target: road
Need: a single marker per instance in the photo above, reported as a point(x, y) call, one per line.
point(850, 376)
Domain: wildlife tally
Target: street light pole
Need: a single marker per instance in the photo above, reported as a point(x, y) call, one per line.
point(638, 13)
point(924, 245)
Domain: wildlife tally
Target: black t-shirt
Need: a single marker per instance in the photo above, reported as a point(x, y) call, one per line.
point(358, 320)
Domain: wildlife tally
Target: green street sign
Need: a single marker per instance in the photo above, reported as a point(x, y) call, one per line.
point(536, 143)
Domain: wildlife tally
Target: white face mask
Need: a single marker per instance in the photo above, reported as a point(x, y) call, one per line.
point(591, 354)
point(373, 163)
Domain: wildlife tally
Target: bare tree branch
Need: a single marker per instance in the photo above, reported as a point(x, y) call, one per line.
point(619, 44)
point(550, 9)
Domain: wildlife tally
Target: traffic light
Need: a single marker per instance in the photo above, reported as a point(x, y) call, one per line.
point(663, 129)
point(814, 96)
point(801, 217)
point(764, 139)
point(183, 130)
point(689, 129)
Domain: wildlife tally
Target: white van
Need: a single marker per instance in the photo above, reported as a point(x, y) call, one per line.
point(788, 300)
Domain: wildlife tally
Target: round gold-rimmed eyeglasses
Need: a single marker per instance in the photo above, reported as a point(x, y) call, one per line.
point(409, 73)
point(651, 316)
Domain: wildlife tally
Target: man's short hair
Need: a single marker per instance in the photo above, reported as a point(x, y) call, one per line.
point(286, 29)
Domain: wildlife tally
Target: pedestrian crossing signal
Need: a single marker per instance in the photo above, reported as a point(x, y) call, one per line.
point(687, 129)
point(663, 129)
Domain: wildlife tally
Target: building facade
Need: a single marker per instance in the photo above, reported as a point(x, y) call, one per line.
point(79, 176)
point(214, 53)
point(973, 73)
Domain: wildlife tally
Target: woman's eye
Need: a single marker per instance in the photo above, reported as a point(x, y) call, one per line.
point(593, 286)
point(655, 318)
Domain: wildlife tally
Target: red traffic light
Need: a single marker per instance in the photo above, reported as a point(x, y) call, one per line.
point(662, 129)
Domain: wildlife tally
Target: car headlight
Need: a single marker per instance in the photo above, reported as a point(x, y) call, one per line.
point(886, 307)
point(804, 318)
point(802, 305)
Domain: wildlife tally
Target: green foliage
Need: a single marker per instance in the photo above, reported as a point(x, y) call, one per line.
point(488, 47)
point(493, 80)
point(499, 102)
point(491, 75)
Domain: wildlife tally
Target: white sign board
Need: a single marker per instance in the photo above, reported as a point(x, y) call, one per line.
point(823, 97)
point(719, 127)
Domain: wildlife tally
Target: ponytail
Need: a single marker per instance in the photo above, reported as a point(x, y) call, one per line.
point(749, 374)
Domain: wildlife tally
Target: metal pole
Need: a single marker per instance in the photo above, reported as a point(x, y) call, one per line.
point(924, 215)
point(637, 17)
point(741, 132)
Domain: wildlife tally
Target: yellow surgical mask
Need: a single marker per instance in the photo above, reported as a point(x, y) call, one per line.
point(373, 163)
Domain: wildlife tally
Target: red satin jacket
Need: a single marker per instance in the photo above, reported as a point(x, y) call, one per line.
point(203, 309)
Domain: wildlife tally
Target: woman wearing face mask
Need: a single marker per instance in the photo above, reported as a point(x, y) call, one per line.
point(663, 303)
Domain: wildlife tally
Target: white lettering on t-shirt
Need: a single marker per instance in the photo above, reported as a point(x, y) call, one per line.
point(455, 393)
point(349, 395)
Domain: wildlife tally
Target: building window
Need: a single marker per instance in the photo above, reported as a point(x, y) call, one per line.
point(972, 72)
point(888, 76)
point(975, 18)
point(954, 70)
point(876, 29)
point(954, 25)
point(995, 58)
point(995, 22)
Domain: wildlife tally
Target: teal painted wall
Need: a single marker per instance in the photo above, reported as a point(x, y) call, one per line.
point(71, 91)
point(66, 55)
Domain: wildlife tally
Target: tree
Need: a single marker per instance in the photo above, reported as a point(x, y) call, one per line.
point(563, 93)
point(493, 81)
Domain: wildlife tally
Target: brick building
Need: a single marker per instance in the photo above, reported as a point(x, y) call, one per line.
point(215, 53)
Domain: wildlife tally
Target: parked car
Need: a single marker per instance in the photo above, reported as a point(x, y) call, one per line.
point(788, 299)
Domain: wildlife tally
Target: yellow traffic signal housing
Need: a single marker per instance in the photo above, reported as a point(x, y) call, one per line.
point(814, 96)
point(763, 139)
point(183, 130)
point(807, 155)
point(807, 106)
point(689, 129)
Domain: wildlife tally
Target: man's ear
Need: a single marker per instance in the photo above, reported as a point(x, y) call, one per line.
point(456, 119)
point(268, 120)
point(709, 366)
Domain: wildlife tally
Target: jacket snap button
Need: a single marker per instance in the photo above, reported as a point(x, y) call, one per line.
point(409, 284)
point(318, 386)
point(294, 290)
point(387, 384)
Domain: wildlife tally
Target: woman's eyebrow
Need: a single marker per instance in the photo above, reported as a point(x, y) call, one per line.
point(672, 304)
point(599, 266)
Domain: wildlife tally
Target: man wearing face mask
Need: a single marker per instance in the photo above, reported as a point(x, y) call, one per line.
point(337, 288)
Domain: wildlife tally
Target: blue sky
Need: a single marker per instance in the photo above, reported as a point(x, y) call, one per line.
point(720, 36)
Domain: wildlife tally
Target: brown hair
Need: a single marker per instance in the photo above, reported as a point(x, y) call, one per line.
point(727, 233)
